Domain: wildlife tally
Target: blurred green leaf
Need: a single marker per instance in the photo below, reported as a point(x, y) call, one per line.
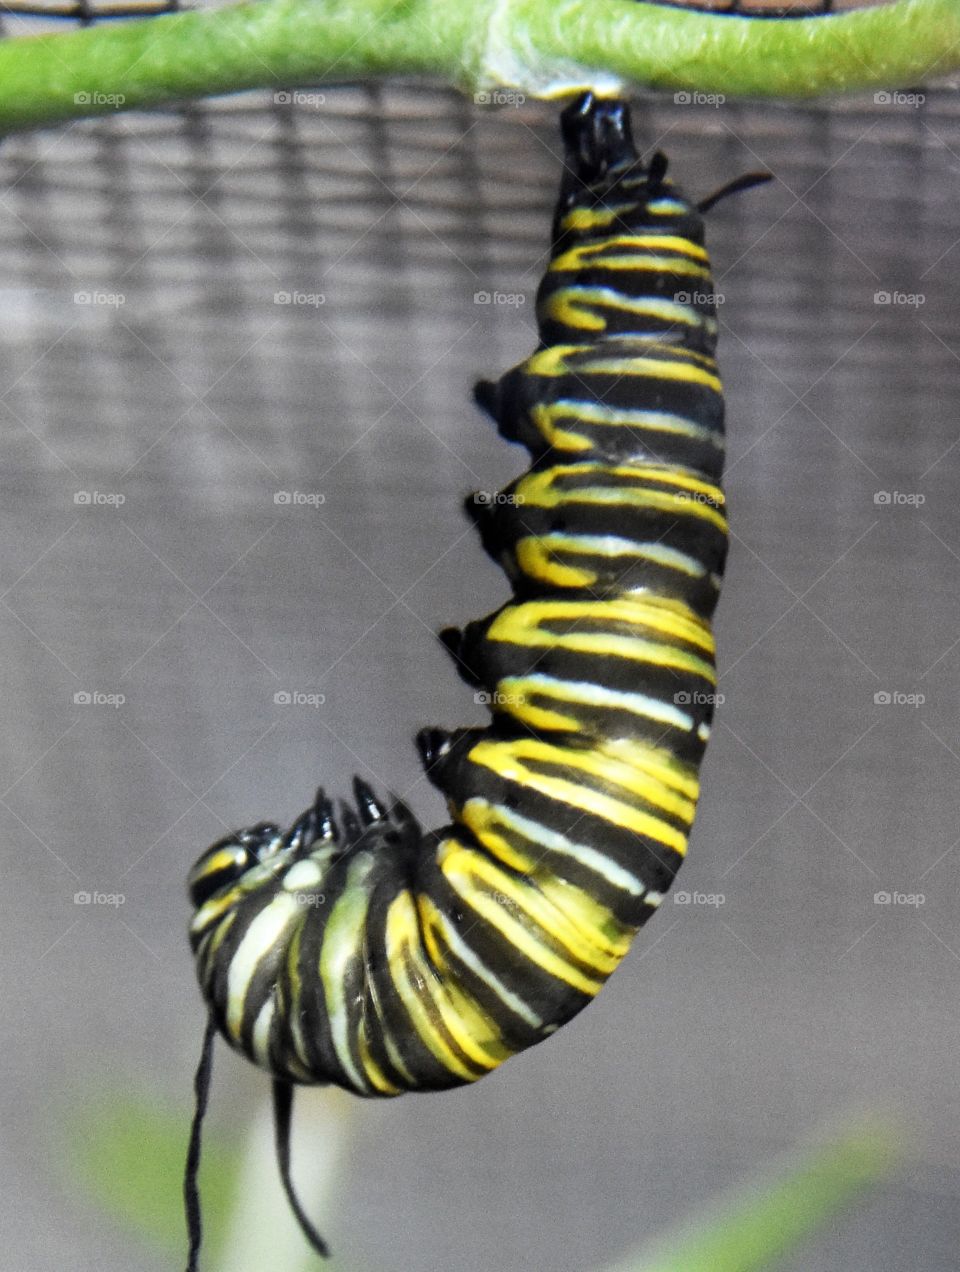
point(127, 1155)
point(758, 1226)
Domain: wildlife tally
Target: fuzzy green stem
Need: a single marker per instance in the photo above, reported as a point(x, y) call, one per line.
point(539, 47)
point(900, 44)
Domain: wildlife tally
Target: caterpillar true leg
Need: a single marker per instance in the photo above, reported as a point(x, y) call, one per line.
point(357, 950)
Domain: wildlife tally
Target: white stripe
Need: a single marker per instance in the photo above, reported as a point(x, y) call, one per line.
point(343, 942)
point(609, 545)
point(665, 206)
point(269, 927)
point(261, 1032)
point(658, 421)
point(597, 695)
point(596, 861)
point(467, 955)
point(303, 874)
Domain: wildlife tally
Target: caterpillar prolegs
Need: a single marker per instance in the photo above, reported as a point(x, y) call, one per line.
point(430, 958)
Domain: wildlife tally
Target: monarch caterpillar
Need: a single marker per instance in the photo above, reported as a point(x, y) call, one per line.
point(353, 948)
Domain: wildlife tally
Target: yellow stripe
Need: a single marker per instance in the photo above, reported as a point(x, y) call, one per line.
point(296, 991)
point(523, 698)
point(472, 1030)
point(596, 922)
point(678, 505)
point(569, 305)
point(543, 489)
point(460, 867)
point(373, 1071)
point(480, 817)
point(586, 254)
point(536, 556)
point(594, 218)
point(550, 361)
point(224, 859)
point(545, 417)
point(506, 758)
point(216, 938)
point(437, 928)
point(626, 764)
point(483, 817)
point(555, 923)
point(523, 625)
point(401, 937)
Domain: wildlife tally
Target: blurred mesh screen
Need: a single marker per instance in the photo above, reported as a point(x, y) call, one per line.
point(237, 343)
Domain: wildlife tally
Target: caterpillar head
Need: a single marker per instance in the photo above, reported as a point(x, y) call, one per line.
point(229, 858)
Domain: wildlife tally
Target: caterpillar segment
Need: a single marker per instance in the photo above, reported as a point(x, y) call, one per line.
point(355, 949)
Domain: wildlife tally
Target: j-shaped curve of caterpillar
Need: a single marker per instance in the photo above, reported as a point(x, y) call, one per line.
point(432, 958)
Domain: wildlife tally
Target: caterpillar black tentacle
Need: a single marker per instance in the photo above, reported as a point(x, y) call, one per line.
point(356, 949)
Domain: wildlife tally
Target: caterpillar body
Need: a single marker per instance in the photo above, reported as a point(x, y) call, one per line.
point(357, 950)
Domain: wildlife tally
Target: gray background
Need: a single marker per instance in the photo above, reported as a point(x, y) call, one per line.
point(730, 1033)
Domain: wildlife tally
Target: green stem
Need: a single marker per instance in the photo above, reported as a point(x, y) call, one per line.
point(539, 47)
point(900, 44)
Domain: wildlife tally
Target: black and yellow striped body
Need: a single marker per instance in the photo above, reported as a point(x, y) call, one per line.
point(372, 956)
